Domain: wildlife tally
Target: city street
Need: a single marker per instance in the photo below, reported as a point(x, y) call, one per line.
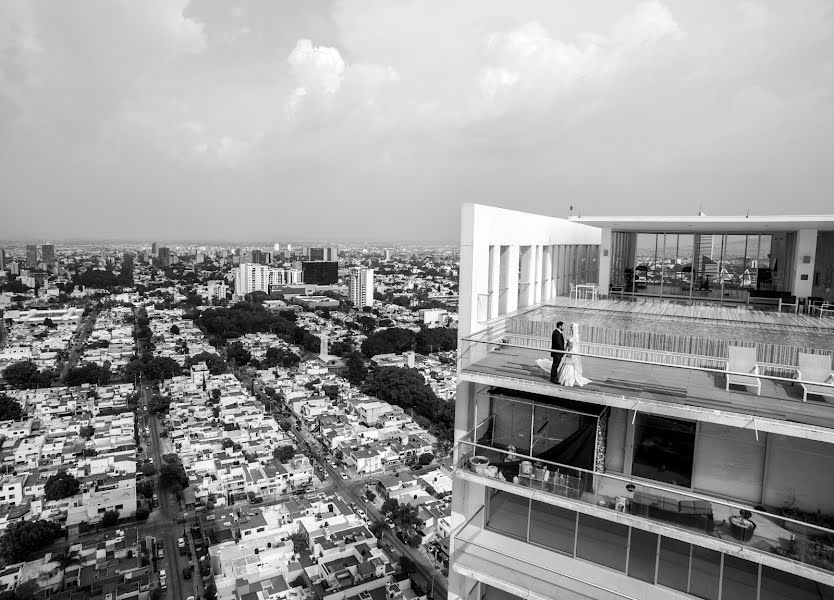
point(164, 522)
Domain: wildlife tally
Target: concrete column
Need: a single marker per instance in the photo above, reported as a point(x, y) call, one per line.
point(604, 263)
point(508, 286)
point(537, 291)
point(494, 280)
point(547, 273)
point(528, 276)
point(806, 246)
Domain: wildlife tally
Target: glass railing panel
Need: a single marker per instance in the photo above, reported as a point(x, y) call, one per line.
point(602, 541)
point(642, 556)
point(553, 527)
point(656, 375)
point(676, 508)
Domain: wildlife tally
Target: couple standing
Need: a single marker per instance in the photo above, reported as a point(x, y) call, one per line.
point(564, 370)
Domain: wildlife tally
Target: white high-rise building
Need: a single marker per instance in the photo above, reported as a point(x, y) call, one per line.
point(250, 277)
point(361, 286)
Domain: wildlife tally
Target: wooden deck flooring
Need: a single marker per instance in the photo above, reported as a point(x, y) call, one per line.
point(662, 384)
point(647, 306)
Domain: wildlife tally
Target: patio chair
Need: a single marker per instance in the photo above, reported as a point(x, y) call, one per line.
point(825, 307)
point(815, 368)
point(743, 360)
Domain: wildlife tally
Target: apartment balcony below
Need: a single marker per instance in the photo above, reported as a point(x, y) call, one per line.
point(653, 359)
point(625, 524)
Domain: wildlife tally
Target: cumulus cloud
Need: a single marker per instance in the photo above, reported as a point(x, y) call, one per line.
point(318, 69)
point(527, 61)
point(321, 74)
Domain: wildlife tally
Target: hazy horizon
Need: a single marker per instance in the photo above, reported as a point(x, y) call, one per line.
point(169, 119)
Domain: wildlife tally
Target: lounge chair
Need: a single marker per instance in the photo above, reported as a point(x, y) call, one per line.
point(743, 360)
point(815, 368)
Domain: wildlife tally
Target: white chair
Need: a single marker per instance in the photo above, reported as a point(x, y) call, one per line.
point(574, 293)
point(825, 307)
point(815, 371)
point(743, 360)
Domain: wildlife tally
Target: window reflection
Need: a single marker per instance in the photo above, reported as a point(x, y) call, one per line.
point(664, 449)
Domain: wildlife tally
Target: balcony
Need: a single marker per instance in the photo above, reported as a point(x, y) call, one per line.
point(666, 363)
point(543, 502)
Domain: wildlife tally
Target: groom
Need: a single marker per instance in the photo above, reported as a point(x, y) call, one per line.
point(558, 351)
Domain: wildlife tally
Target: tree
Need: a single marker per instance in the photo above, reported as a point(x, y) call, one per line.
point(161, 367)
point(61, 485)
point(407, 565)
point(299, 542)
point(425, 458)
point(148, 470)
point(175, 330)
point(438, 339)
point(395, 340)
point(26, 538)
point(389, 506)
point(67, 558)
point(216, 365)
point(210, 592)
point(10, 409)
point(159, 404)
point(172, 475)
point(280, 357)
point(22, 375)
point(109, 518)
point(86, 373)
point(47, 322)
point(146, 488)
point(238, 354)
point(226, 443)
point(356, 369)
point(283, 454)
point(378, 528)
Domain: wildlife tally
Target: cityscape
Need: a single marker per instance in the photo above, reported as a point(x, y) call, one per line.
point(469, 300)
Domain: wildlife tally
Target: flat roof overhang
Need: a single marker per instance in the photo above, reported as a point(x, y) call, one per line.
point(709, 224)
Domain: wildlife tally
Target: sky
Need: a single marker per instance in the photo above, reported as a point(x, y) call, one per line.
point(372, 119)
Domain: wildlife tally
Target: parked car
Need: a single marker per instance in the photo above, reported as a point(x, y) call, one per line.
point(257, 500)
point(360, 512)
point(402, 537)
point(181, 542)
point(344, 476)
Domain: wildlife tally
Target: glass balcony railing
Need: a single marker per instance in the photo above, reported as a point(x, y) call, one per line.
point(758, 531)
point(657, 377)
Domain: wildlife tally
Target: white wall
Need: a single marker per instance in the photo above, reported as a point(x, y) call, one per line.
point(806, 245)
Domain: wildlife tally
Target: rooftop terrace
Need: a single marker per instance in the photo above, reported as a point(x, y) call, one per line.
point(666, 359)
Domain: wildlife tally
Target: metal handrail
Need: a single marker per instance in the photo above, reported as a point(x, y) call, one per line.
point(652, 363)
point(655, 486)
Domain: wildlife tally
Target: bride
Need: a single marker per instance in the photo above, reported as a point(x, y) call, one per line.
point(570, 371)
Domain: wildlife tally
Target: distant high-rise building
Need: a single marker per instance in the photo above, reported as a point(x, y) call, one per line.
point(2, 259)
point(361, 286)
point(164, 255)
point(251, 277)
point(316, 253)
point(48, 254)
point(155, 249)
point(31, 256)
point(387, 256)
point(276, 247)
point(320, 272)
point(331, 254)
point(259, 257)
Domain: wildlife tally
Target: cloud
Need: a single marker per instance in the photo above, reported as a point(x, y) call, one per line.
point(318, 69)
point(527, 62)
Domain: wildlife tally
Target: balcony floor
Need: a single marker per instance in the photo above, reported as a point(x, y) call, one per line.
point(660, 385)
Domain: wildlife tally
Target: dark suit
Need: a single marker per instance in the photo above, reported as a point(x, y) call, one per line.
point(558, 353)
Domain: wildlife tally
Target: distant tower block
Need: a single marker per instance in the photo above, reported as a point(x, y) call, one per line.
point(323, 348)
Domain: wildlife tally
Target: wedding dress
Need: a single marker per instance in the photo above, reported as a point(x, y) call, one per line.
point(570, 371)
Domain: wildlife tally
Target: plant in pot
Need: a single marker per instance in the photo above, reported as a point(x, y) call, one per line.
point(741, 527)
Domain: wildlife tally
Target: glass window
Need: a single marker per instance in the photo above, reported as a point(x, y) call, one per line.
point(642, 555)
point(740, 578)
point(706, 572)
point(673, 564)
point(553, 526)
point(778, 585)
point(664, 449)
point(507, 513)
point(603, 542)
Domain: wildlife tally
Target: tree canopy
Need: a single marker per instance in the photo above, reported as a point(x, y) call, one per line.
point(280, 357)
point(283, 454)
point(10, 409)
point(395, 340)
point(236, 353)
point(24, 375)
point(61, 485)
point(407, 388)
point(159, 404)
point(88, 373)
point(25, 538)
point(216, 365)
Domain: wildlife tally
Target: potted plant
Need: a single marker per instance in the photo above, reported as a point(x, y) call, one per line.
point(479, 464)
